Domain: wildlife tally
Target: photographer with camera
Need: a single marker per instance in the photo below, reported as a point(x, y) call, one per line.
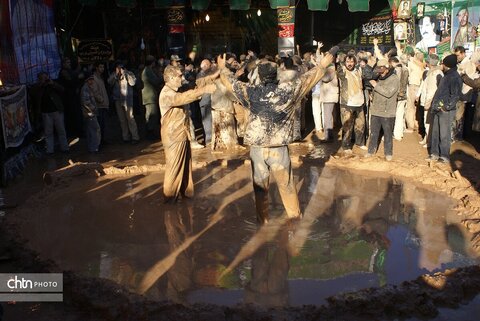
point(123, 81)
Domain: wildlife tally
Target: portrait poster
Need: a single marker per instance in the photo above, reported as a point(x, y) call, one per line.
point(14, 115)
point(465, 18)
point(404, 10)
point(400, 30)
point(434, 28)
point(34, 39)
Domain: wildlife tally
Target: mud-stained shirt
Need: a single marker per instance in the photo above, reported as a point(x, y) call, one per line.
point(272, 108)
point(175, 120)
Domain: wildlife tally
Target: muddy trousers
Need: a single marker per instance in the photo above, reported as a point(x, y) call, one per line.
point(275, 160)
point(353, 122)
point(178, 170)
point(379, 123)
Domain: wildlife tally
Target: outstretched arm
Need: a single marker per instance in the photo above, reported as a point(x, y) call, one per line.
point(311, 77)
point(376, 50)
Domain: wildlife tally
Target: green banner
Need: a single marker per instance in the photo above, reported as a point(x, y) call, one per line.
point(200, 4)
point(274, 4)
point(358, 5)
point(162, 4)
point(239, 4)
point(318, 5)
point(126, 3)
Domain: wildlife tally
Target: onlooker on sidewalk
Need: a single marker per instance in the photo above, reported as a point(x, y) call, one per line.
point(402, 73)
point(89, 99)
point(102, 111)
point(416, 67)
point(123, 81)
point(427, 90)
point(151, 89)
point(383, 108)
point(474, 82)
point(443, 109)
point(352, 100)
point(47, 94)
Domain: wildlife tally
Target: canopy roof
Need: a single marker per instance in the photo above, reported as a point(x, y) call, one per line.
point(315, 5)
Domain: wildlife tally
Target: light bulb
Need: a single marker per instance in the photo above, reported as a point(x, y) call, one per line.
point(259, 12)
point(314, 42)
point(207, 17)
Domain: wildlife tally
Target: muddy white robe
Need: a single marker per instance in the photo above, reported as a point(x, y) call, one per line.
point(176, 141)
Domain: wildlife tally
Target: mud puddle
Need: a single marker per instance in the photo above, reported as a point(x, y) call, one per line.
point(357, 232)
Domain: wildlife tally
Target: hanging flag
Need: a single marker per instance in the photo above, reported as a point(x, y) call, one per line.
point(316, 5)
point(200, 4)
point(286, 31)
point(176, 31)
point(239, 4)
point(34, 40)
point(358, 5)
point(14, 115)
point(126, 3)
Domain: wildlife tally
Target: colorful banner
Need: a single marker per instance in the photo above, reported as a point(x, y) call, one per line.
point(14, 115)
point(286, 31)
point(34, 40)
point(465, 16)
point(433, 30)
point(176, 31)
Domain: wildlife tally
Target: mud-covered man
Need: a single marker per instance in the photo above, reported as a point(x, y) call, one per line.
point(270, 129)
point(176, 133)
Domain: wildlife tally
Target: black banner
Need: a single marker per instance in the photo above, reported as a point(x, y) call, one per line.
point(94, 50)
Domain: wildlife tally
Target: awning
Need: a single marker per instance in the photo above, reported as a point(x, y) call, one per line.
point(314, 5)
point(353, 5)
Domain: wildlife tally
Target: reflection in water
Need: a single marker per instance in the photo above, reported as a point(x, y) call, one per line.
point(269, 270)
point(357, 232)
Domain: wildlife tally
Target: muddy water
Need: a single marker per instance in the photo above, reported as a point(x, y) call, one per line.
point(357, 232)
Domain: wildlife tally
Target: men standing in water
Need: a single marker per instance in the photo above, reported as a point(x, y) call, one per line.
point(270, 128)
point(175, 131)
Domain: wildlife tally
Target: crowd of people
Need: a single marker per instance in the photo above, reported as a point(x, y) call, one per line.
point(230, 101)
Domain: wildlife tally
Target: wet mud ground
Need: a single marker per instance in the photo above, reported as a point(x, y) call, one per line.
point(133, 221)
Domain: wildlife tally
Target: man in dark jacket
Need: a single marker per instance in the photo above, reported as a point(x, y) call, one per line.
point(383, 109)
point(443, 110)
point(47, 95)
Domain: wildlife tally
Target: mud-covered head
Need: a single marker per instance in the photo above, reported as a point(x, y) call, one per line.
point(267, 72)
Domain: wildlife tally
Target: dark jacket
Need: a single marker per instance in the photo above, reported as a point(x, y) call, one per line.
point(402, 73)
point(384, 102)
point(448, 92)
